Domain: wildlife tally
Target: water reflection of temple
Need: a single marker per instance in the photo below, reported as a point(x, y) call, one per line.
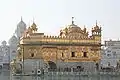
point(72, 48)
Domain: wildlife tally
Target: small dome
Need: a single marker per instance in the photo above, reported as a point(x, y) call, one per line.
point(13, 40)
point(74, 28)
point(4, 43)
point(33, 25)
point(72, 25)
point(21, 25)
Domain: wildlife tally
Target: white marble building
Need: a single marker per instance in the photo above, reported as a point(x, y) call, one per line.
point(9, 52)
point(13, 47)
point(1, 57)
point(110, 54)
point(14, 40)
point(4, 55)
point(21, 27)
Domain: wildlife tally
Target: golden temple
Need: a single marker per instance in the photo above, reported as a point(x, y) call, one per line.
point(73, 44)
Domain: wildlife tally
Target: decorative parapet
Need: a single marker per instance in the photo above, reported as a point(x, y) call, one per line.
point(60, 41)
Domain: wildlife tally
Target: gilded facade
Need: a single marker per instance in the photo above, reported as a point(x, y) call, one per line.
point(72, 45)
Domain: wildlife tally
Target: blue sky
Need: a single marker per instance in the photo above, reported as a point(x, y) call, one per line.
point(53, 15)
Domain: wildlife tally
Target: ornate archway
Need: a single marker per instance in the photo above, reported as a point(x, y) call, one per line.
point(52, 65)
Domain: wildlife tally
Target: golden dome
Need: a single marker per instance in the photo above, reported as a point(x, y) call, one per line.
point(96, 28)
point(33, 25)
point(74, 28)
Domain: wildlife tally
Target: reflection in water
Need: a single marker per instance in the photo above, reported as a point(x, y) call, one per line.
point(7, 76)
point(67, 78)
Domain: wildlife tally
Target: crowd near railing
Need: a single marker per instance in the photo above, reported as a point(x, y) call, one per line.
point(81, 70)
point(74, 71)
point(65, 69)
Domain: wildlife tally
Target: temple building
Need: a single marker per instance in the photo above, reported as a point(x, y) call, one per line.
point(74, 47)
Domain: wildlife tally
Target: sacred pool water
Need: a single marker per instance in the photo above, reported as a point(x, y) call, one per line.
point(7, 76)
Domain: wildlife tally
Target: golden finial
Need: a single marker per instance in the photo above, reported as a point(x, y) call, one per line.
point(84, 29)
point(72, 20)
point(34, 26)
point(96, 22)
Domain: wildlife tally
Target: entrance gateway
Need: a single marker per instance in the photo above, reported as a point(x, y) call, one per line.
point(52, 66)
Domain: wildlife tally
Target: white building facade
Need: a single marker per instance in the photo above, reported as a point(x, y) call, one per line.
point(110, 54)
point(13, 47)
point(4, 55)
point(9, 52)
point(14, 40)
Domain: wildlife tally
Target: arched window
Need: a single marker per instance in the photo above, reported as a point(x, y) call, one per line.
point(13, 51)
point(108, 63)
point(32, 54)
point(73, 54)
point(84, 54)
point(62, 55)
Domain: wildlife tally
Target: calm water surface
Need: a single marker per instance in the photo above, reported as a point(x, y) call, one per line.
point(7, 76)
